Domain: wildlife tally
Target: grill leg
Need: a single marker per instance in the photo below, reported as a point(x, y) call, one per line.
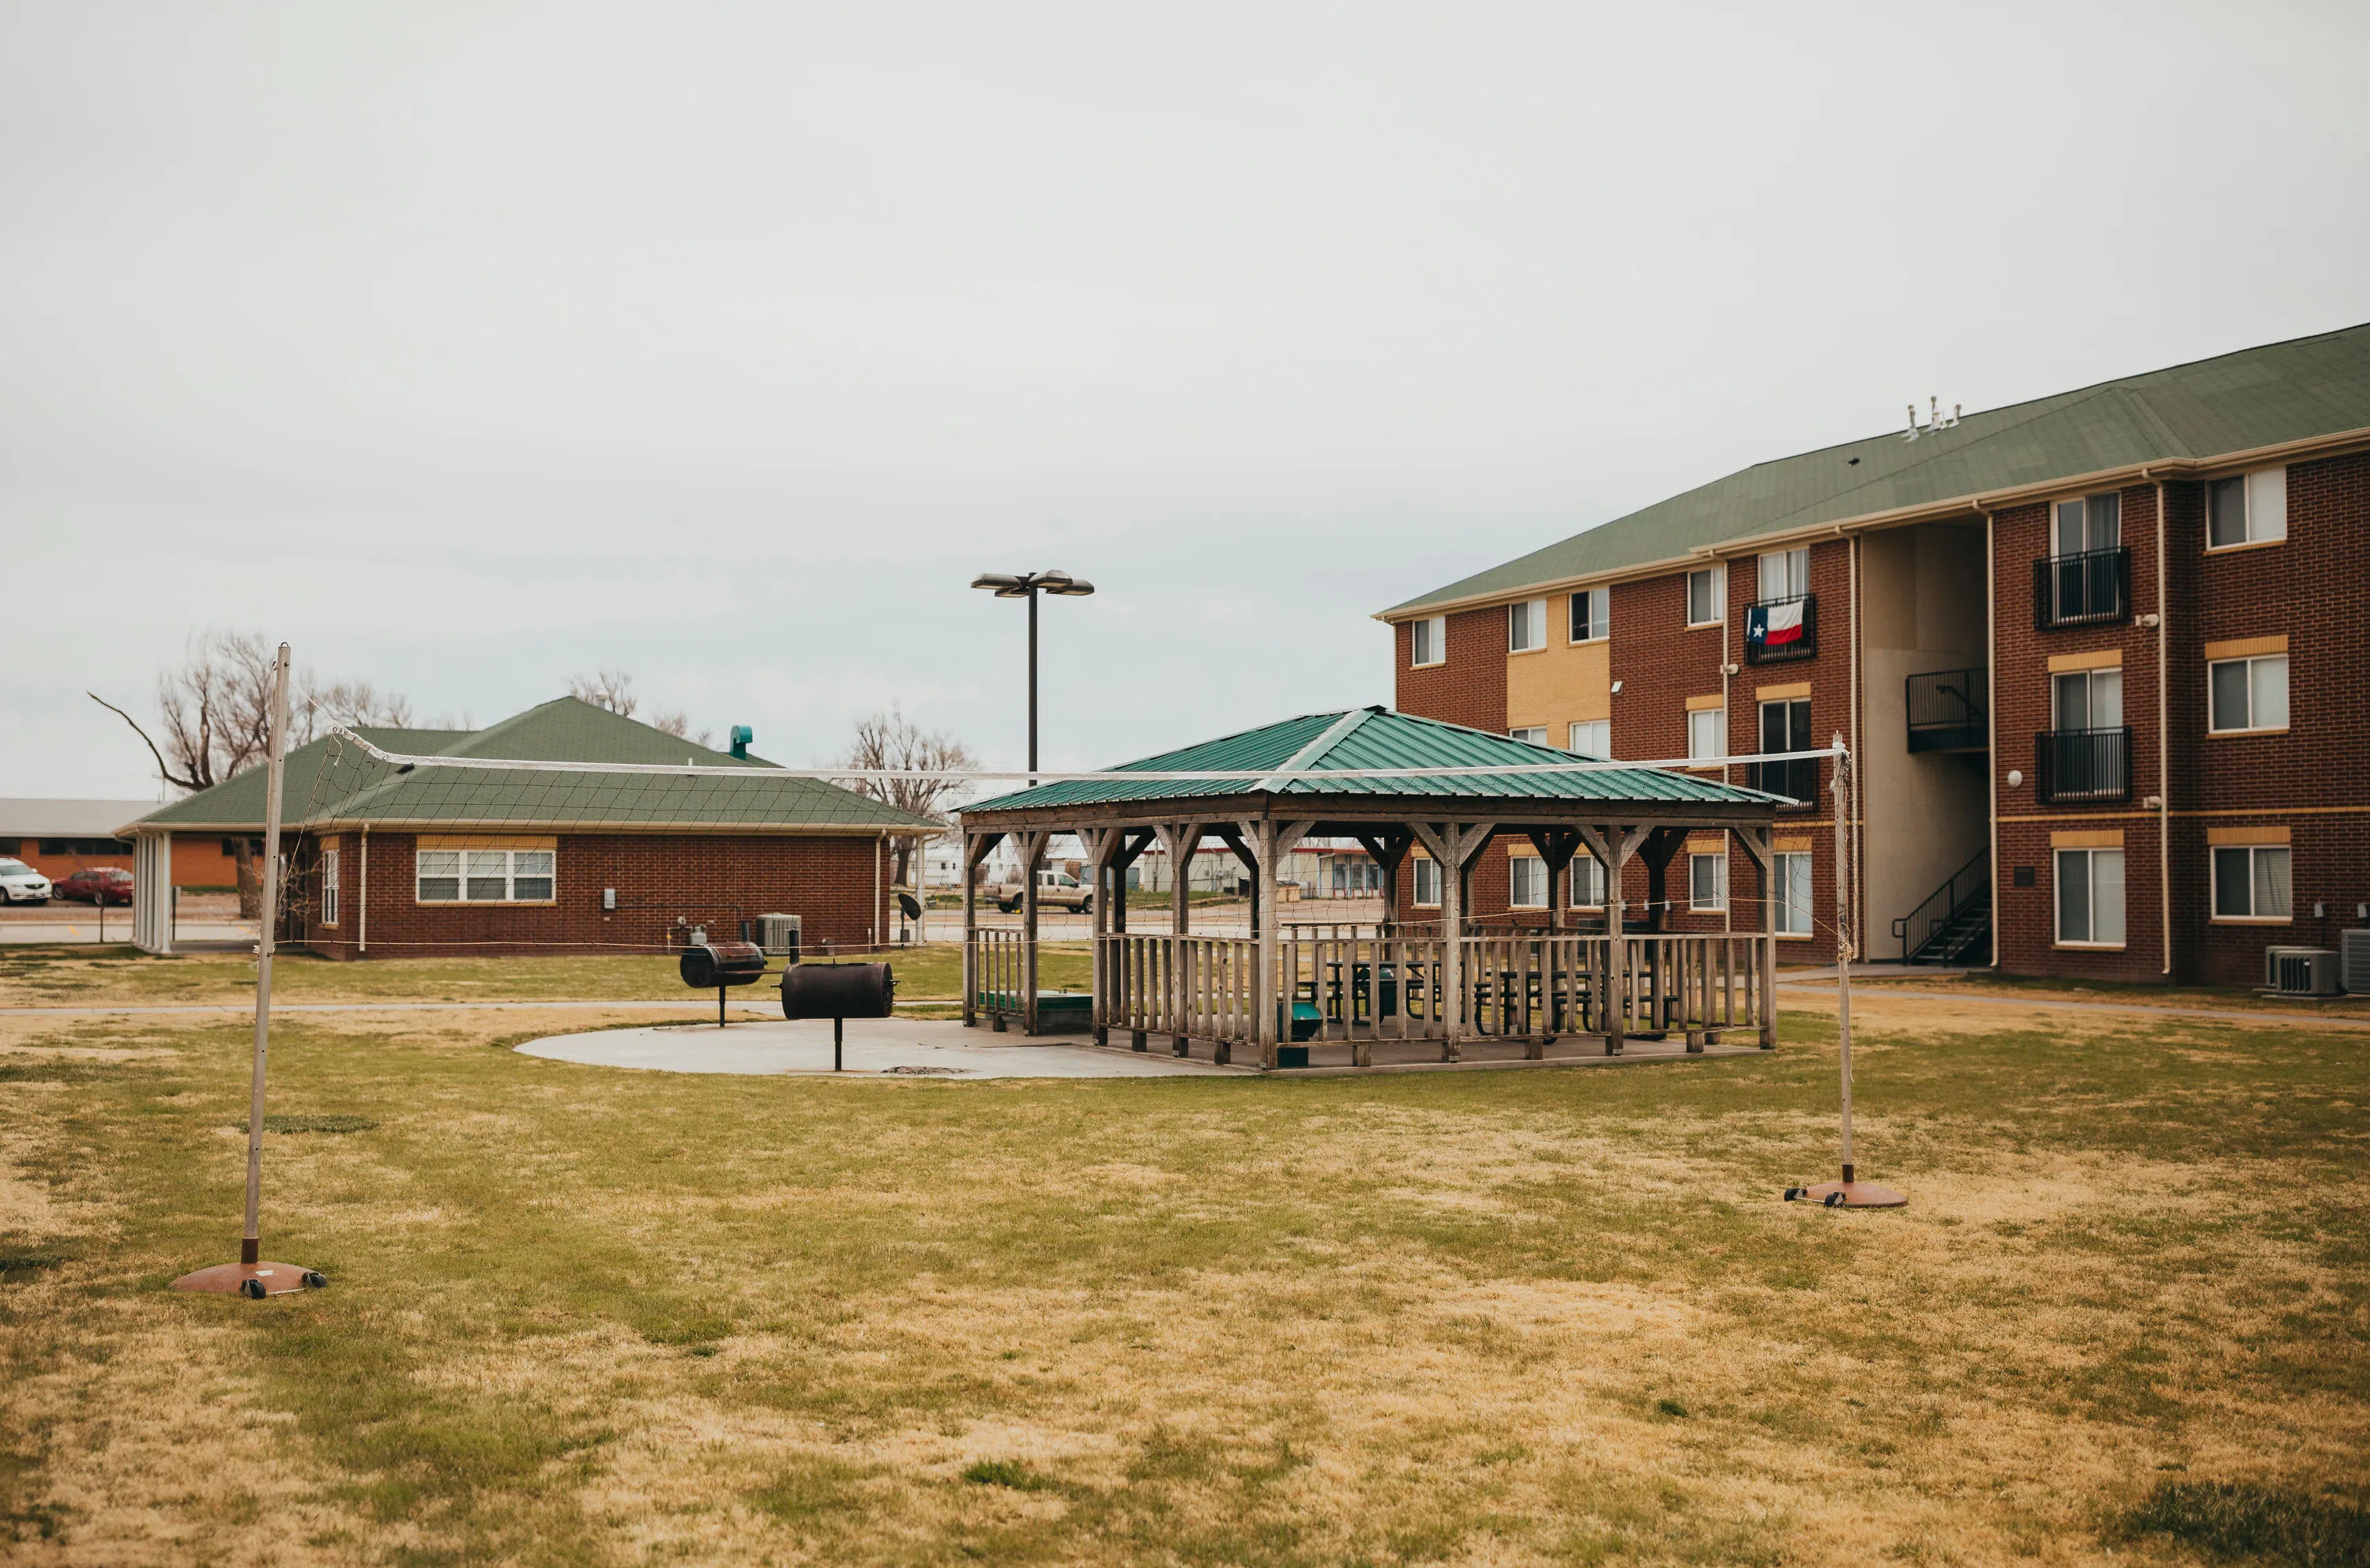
point(835, 1025)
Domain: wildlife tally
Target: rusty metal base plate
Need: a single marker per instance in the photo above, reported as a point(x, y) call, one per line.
point(232, 1279)
point(1854, 1194)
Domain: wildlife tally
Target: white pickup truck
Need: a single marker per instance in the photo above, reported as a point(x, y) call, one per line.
point(1055, 889)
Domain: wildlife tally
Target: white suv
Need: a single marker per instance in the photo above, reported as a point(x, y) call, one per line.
point(20, 883)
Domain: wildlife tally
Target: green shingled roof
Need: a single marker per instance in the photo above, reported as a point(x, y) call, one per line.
point(329, 782)
point(1370, 738)
point(2282, 392)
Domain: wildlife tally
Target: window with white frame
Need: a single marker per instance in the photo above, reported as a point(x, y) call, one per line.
point(483, 876)
point(1526, 881)
point(2090, 897)
point(1526, 625)
point(1590, 621)
point(1786, 574)
point(1534, 734)
point(2085, 523)
point(2248, 694)
point(329, 885)
point(1592, 738)
point(1428, 640)
point(2251, 882)
point(1708, 596)
point(2247, 509)
point(1427, 884)
point(1792, 886)
point(1707, 734)
point(2088, 699)
point(1708, 881)
point(1587, 881)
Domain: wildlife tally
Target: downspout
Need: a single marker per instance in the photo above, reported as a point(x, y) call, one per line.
point(2163, 744)
point(361, 909)
point(1991, 717)
point(879, 897)
point(1728, 721)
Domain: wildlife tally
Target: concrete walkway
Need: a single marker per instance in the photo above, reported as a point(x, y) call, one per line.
point(874, 1048)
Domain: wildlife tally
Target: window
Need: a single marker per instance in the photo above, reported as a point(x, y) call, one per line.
point(1708, 596)
point(2090, 523)
point(1793, 890)
point(483, 876)
point(1592, 738)
point(1708, 881)
point(1526, 625)
point(329, 885)
point(2247, 509)
point(2250, 882)
point(2249, 694)
point(1786, 574)
point(2088, 699)
point(1587, 881)
point(1428, 640)
point(2090, 897)
point(1707, 734)
point(86, 846)
point(1786, 727)
point(1534, 734)
point(1427, 884)
point(1526, 881)
point(1589, 618)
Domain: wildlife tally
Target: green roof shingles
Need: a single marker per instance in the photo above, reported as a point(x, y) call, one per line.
point(2257, 397)
point(1382, 738)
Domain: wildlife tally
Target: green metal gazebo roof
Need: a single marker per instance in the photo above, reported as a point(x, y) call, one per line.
point(1366, 738)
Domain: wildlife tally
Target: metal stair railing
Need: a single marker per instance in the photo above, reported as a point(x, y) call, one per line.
point(1922, 925)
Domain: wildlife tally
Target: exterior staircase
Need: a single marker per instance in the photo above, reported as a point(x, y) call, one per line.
point(1953, 926)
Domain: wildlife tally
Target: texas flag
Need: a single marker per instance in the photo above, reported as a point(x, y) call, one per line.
point(1774, 626)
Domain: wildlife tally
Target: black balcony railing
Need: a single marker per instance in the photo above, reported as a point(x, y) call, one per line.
point(2081, 590)
point(1779, 629)
point(1950, 710)
point(1798, 779)
point(2071, 766)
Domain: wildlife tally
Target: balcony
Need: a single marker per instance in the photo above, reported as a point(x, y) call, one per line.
point(1798, 779)
point(1950, 710)
point(1779, 629)
point(2081, 590)
point(2082, 766)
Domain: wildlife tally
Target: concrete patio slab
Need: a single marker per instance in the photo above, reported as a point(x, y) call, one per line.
point(874, 1048)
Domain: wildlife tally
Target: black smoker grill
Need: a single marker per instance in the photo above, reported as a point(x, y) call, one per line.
point(838, 992)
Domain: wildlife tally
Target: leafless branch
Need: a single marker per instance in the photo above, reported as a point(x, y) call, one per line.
point(892, 740)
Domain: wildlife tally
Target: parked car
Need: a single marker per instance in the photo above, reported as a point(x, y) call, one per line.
point(94, 884)
point(20, 883)
point(1055, 889)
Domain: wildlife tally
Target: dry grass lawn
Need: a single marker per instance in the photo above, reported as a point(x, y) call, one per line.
point(602, 1317)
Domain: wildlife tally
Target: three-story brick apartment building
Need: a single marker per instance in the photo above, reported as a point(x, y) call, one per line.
point(2100, 658)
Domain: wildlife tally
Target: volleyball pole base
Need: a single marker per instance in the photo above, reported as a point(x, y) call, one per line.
point(1848, 1193)
point(252, 1277)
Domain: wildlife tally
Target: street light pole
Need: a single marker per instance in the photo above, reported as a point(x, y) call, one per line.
point(1028, 585)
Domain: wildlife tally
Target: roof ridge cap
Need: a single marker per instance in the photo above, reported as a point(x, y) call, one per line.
point(1332, 736)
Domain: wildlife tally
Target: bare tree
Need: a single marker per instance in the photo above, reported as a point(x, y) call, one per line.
point(612, 689)
point(892, 740)
point(215, 713)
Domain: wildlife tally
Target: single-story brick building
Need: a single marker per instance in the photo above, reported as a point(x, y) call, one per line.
point(433, 861)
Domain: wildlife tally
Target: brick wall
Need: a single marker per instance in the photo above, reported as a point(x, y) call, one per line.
point(711, 881)
point(1468, 688)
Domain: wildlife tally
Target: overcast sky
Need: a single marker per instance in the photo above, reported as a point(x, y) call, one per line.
point(467, 346)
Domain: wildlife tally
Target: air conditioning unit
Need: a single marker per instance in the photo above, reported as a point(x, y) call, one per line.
point(778, 935)
point(2300, 972)
point(2354, 965)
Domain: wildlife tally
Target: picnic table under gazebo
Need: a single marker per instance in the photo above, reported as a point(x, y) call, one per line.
point(1399, 785)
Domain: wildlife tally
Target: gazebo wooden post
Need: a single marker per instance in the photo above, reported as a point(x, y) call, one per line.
point(1179, 839)
point(1557, 846)
point(1758, 844)
point(1099, 844)
point(1032, 852)
point(976, 847)
point(1272, 993)
point(1613, 845)
point(1453, 847)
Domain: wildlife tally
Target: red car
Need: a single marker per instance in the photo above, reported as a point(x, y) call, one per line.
point(97, 884)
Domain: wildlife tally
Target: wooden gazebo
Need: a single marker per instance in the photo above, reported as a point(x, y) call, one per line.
point(1439, 979)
